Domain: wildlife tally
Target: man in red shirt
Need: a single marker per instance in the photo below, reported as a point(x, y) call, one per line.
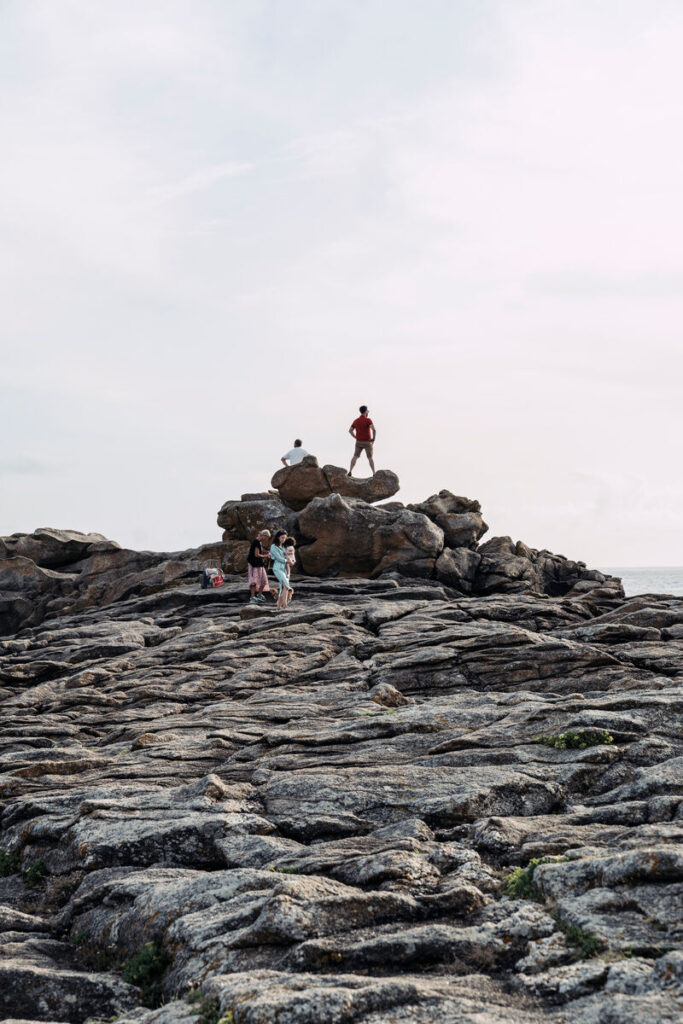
point(363, 431)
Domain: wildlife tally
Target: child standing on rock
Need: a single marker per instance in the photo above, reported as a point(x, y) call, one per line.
point(279, 559)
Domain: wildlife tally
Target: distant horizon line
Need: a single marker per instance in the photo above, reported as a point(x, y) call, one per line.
point(614, 568)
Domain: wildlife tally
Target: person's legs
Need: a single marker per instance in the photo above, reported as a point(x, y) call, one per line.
point(282, 580)
point(354, 460)
point(371, 461)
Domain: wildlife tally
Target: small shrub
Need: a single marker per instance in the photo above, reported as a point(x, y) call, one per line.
point(35, 874)
point(146, 970)
point(572, 740)
point(210, 1012)
point(586, 944)
point(9, 864)
point(519, 884)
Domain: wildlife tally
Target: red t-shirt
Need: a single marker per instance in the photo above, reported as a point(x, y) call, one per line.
point(362, 425)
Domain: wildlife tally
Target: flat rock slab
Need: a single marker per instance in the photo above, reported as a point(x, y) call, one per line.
point(312, 812)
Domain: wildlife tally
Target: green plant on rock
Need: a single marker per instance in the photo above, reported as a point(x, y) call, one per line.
point(146, 970)
point(210, 1010)
point(9, 864)
point(519, 884)
point(585, 943)
point(34, 874)
point(577, 740)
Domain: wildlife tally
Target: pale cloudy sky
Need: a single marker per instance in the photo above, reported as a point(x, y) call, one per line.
point(224, 224)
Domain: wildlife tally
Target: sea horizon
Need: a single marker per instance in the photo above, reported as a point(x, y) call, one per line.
point(648, 579)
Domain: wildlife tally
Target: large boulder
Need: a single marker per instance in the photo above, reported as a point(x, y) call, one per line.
point(379, 487)
point(459, 518)
point(242, 520)
point(351, 538)
point(297, 485)
point(457, 568)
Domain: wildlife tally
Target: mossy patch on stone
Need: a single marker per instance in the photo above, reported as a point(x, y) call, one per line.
point(577, 740)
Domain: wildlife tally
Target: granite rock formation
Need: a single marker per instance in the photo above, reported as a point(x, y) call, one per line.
point(299, 484)
point(394, 802)
point(346, 527)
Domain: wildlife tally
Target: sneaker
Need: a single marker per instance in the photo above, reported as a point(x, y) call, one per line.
point(254, 600)
point(261, 598)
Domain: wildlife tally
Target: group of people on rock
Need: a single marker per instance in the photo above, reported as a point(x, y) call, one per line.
point(278, 550)
point(362, 430)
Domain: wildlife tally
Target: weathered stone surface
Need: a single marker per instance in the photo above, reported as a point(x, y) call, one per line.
point(459, 518)
point(38, 976)
point(312, 812)
point(354, 539)
point(511, 568)
point(242, 520)
point(457, 568)
point(300, 484)
point(297, 485)
point(52, 549)
point(56, 572)
point(371, 489)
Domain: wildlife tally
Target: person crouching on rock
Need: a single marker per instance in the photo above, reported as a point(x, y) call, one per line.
point(279, 559)
point(257, 559)
point(363, 431)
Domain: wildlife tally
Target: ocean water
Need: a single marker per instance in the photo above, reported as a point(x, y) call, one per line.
point(660, 579)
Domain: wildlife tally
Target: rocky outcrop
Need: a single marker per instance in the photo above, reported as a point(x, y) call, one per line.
point(350, 538)
point(300, 484)
point(459, 518)
point(506, 567)
point(243, 519)
point(49, 572)
point(393, 802)
point(341, 530)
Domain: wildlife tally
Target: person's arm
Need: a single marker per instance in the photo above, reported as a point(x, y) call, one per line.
point(352, 431)
point(284, 462)
point(374, 433)
point(276, 553)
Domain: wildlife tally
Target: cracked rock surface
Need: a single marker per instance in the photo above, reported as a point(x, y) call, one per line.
point(310, 817)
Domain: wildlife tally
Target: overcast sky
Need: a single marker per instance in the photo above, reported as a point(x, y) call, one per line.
point(226, 224)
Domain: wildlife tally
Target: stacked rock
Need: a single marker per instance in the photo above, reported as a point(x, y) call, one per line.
point(345, 526)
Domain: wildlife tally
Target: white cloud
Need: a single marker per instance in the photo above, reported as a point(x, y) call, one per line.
point(198, 181)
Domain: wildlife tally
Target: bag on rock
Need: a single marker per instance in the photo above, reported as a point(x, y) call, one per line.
point(212, 578)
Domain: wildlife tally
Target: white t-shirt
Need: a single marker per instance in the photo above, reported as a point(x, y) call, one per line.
point(295, 456)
